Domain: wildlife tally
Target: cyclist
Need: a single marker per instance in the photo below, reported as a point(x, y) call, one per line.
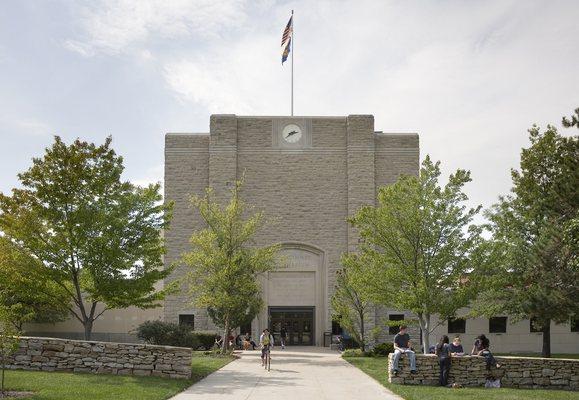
point(266, 343)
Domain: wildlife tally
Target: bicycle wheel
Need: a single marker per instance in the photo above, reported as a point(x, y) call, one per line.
point(268, 360)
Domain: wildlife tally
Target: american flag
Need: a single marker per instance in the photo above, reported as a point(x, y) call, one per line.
point(287, 31)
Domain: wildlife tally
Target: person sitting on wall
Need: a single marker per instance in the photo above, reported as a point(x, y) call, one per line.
point(481, 347)
point(249, 342)
point(456, 349)
point(218, 341)
point(402, 346)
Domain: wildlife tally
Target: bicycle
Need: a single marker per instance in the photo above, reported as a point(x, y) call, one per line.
point(267, 359)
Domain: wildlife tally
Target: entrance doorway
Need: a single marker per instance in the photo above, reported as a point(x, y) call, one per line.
point(298, 323)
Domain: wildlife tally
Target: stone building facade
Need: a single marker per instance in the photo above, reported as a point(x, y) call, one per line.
point(307, 174)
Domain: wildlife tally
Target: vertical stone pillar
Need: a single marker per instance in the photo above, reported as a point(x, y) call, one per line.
point(222, 154)
point(361, 180)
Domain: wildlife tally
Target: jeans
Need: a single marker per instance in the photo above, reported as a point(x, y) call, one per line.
point(444, 370)
point(490, 360)
point(411, 357)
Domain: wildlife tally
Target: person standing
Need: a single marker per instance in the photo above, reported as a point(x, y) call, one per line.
point(443, 353)
point(283, 336)
point(402, 346)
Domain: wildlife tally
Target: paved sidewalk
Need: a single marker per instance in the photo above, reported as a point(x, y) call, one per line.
point(296, 373)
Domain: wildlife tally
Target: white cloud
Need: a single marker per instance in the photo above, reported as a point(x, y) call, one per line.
point(116, 26)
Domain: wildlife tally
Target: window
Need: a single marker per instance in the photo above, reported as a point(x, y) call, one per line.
point(574, 324)
point(498, 325)
point(187, 320)
point(393, 330)
point(457, 325)
point(534, 326)
point(336, 328)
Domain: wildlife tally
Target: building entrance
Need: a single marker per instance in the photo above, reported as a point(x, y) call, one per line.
point(298, 323)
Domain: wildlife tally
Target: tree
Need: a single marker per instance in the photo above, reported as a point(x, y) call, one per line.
point(573, 121)
point(97, 237)
point(8, 345)
point(535, 234)
point(421, 246)
point(26, 295)
point(350, 303)
point(224, 265)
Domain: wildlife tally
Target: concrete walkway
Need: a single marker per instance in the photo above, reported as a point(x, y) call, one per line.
point(296, 373)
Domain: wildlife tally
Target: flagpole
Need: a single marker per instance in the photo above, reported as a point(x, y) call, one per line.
point(292, 51)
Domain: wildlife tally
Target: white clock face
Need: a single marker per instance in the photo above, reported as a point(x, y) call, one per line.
point(292, 133)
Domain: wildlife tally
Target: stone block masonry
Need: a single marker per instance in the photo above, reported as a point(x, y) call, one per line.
point(51, 354)
point(515, 372)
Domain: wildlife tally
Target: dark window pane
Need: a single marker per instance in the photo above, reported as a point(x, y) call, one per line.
point(534, 326)
point(498, 325)
point(393, 330)
point(575, 325)
point(187, 320)
point(457, 325)
point(336, 328)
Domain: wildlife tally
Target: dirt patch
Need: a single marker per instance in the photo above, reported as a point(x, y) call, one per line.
point(15, 395)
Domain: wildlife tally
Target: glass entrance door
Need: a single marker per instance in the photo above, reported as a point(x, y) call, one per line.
point(298, 323)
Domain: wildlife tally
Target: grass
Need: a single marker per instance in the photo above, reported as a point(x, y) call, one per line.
point(377, 369)
point(69, 386)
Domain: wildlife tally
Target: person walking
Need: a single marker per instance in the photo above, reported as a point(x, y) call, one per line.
point(443, 353)
point(282, 336)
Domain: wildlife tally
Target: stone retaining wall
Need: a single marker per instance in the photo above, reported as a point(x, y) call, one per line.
point(517, 372)
point(51, 354)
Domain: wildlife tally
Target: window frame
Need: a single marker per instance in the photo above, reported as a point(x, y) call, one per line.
point(393, 330)
point(496, 319)
point(187, 324)
point(455, 320)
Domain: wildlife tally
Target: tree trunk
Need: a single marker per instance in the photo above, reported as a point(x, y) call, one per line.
point(87, 329)
point(546, 350)
point(225, 343)
point(3, 369)
point(362, 332)
point(424, 321)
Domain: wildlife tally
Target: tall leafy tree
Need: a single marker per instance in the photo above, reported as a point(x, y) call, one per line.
point(536, 236)
point(26, 295)
point(224, 263)
point(97, 236)
point(350, 302)
point(421, 244)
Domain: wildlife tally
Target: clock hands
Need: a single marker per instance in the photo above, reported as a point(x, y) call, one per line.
point(291, 133)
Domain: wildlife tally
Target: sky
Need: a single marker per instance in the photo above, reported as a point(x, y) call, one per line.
point(469, 76)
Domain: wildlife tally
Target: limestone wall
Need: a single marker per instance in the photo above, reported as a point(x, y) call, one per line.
point(51, 354)
point(518, 372)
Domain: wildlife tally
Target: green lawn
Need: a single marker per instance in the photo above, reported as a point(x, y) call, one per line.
point(68, 386)
point(377, 369)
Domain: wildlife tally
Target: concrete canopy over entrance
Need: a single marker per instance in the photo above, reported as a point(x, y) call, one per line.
point(299, 286)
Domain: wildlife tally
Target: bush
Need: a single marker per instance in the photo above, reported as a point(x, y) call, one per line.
point(206, 339)
point(353, 353)
point(167, 334)
point(383, 349)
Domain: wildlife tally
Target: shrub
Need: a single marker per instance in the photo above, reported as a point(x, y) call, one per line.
point(206, 339)
point(167, 334)
point(383, 349)
point(353, 353)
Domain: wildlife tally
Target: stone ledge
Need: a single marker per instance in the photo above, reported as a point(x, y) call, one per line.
point(515, 372)
point(53, 354)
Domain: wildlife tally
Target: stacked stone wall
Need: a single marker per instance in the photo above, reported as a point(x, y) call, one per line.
point(516, 372)
point(51, 354)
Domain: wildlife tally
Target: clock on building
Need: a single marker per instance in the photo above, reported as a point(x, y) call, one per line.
point(291, 133)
